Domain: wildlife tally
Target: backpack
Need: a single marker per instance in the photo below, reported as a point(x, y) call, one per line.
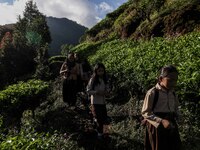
point(156, 96)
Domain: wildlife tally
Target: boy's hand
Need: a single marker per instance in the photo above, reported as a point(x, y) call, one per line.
point(165, 123)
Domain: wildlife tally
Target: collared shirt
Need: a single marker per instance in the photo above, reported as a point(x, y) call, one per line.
point(95, 98)
point(167, 103)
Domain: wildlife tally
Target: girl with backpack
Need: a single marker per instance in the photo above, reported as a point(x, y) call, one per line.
point(161, 116)
point(98, 89)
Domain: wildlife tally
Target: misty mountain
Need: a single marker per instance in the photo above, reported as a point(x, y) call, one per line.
point(63, 31)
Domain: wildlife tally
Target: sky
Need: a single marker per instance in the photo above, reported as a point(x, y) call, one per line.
point(84, 12)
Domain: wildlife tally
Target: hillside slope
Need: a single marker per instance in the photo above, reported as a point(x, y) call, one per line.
point(139, 38)
point(146, 19)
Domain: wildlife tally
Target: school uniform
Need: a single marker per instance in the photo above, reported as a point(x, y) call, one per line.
point(98, 103)
point(157, 137)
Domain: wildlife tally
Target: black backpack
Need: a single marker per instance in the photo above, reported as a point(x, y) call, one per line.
point(156, 98)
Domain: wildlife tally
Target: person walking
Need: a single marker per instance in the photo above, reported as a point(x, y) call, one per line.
point(98, 89)
point(69, 71)
point(161, 113)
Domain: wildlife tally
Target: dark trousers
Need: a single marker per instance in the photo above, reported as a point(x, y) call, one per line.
point(161, 138)
point(69, 92)
point(100, 113)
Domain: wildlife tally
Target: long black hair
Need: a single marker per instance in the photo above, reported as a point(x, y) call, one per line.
point(95, 77)
point(70, 64)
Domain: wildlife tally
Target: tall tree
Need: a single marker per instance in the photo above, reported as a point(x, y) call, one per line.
point(34, 22)
point(32, 33)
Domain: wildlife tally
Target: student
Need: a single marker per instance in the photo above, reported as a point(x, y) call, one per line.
point(161, 128)
point(98, 89)
point(69, 71)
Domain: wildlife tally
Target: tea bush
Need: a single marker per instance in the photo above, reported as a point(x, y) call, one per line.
point(34, 140)
point(21, 96)
point(135, 65)
point(138, 63)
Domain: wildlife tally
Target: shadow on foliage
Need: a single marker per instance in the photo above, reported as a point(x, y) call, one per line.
point(62, 119)
point(90, 141)
point(121, 142)
point(119, 96)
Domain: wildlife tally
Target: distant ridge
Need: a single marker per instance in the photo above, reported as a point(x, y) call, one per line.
point(63, 31)
point(6, 28)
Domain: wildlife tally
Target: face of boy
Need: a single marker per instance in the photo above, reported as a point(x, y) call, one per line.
point(169, 82)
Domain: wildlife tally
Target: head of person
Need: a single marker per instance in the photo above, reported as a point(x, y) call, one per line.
point(168, 77)
point(76, 56)
point(70, 56)
point(99, 70)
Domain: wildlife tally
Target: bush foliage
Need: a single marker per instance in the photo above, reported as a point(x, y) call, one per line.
point(136, 65)
point(17, 98)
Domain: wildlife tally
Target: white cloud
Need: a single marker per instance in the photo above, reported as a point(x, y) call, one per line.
point(105, 7)
point(84, 12)
point(81, 11)
point(10, 13)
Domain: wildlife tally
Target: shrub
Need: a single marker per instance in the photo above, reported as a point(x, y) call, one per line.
point(21, 96)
